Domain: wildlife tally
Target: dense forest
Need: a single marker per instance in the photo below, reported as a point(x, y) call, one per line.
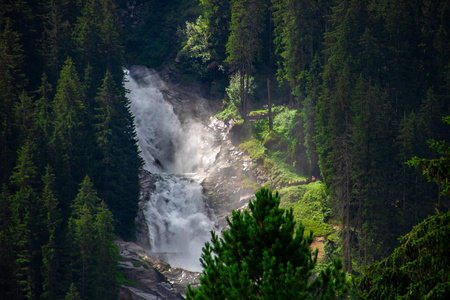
point(369, 80)
point(69, 158)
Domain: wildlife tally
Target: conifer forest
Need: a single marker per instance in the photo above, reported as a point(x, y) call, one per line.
point(343, 106)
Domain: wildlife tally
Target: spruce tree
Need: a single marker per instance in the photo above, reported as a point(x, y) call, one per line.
point(93, 253)
point(69, 142)
point(264, 255)
point(23, 200)
point(106, 255)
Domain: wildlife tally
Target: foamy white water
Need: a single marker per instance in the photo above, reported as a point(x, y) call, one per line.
point(179, 222)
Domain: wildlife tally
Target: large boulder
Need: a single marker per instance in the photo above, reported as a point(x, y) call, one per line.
point(150, 278)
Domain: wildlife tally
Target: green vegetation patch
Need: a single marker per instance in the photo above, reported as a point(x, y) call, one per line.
point(280, 172)
point(136, 263)
point(307, 202)
point(121, 279)
point(254, 148)
point(229, 112)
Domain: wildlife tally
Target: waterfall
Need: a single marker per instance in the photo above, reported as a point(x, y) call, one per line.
point(178, 220)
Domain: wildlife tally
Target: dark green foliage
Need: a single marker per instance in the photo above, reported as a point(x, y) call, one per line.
point(418, 269)
point(56, 38)
point(7, 247)
point(375, 109)
point(217, 15)
point(114, 146)
point(150, 30)
point(23, 208)
point(265, 255)
point(68, 141)
point(11, 58)
point(51, 251)
point(244, 45)
point(93, 253)
point(437, 169)
point(48, 115)
point(72, 294)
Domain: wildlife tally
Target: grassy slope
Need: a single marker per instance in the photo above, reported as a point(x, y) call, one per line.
point(277, 153)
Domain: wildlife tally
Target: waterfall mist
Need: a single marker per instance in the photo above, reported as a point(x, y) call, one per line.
point(178, 220)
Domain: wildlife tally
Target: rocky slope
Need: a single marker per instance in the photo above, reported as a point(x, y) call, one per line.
point(149, 278)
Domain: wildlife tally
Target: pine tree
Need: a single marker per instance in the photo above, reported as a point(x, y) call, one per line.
point(264, 255)
point(24, 115)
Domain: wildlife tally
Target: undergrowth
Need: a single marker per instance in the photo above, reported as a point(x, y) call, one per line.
point(308, 204)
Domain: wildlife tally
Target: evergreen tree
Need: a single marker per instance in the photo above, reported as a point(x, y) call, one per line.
point(82, 239)
point(56, 38)
point(72, 294)
point(69, 142)
point(217, 16)
point(11, 59)
point(243, 47)
point(24, 116)
point(93, 253)
point(22, 211)
point(43, 110)
point(106, 255)
point(264, 255)
point(118, 160)
point(51, 250)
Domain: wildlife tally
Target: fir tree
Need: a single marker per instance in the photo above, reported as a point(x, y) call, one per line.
point(264, 255)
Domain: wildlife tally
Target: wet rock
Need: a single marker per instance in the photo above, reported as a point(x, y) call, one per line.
point(148, 181)
point(151, 277)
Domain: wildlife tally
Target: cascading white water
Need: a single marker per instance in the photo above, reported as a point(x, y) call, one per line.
point(178, 221)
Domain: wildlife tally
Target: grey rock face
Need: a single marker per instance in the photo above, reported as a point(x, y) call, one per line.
point(151, 278)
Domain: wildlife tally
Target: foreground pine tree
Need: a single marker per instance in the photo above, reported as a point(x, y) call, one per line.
point(265, 255)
